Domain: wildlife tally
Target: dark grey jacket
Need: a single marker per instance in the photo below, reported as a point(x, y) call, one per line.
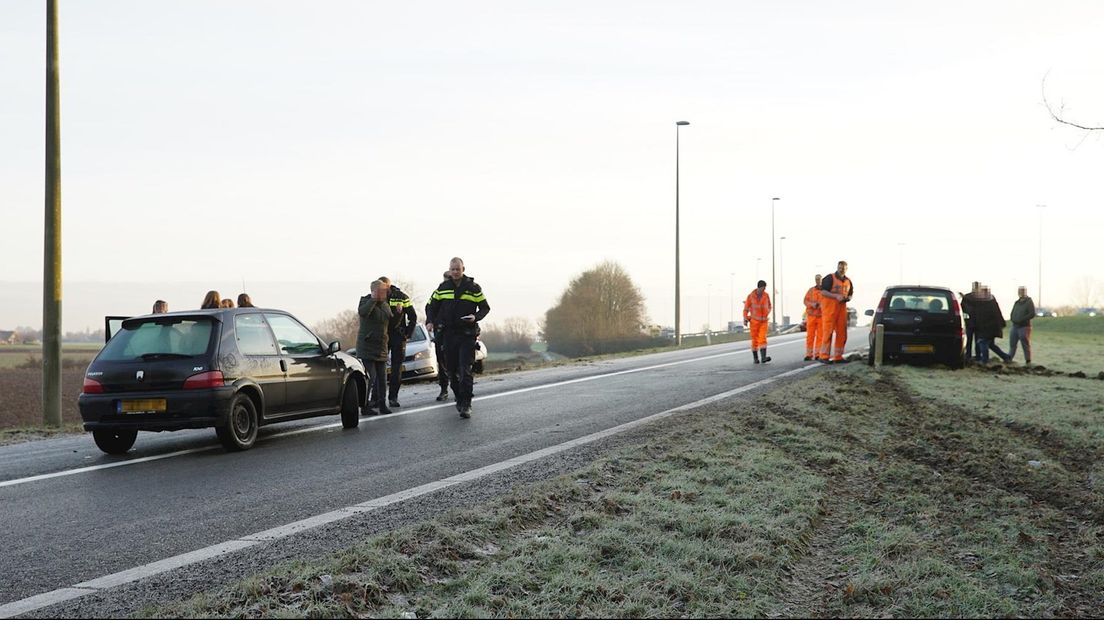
point(372, 335)
point(988, 320)
point(1023, 311)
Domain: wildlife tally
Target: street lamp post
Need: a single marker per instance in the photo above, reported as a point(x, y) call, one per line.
point(774, 290)
point(678, 308)
point(51, 284)
point(732, 296)
point(1040, 293)
point(709, 308)
point(781, 279)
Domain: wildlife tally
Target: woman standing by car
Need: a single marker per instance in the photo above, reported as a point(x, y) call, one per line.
point(371, 347)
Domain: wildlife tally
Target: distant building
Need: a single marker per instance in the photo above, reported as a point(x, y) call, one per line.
point(7, 337)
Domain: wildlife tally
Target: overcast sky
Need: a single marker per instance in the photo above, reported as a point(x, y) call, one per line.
point(308, 147)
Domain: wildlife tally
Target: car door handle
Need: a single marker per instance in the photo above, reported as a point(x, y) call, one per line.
point(283, 365)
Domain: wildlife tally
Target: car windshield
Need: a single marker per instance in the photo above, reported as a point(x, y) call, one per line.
point(159, 339)
point(419, 334)
point(919, 301)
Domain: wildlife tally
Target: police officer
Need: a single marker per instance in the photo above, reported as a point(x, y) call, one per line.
point(400, 328)
point(456, 307)
point(439, 349)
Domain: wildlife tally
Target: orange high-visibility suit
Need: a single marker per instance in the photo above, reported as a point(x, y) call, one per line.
point(834, 317)
point(757, 309)
point(813, 312)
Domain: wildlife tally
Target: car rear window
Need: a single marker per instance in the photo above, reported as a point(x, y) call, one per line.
point(936, 302)
point(160, 339)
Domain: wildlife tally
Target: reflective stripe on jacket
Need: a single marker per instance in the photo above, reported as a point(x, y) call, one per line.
point(757, 307)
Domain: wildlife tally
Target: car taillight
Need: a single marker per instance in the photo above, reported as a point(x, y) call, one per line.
point(958, 314)
point(91, 386)
point(210, 379)
point(882, 301)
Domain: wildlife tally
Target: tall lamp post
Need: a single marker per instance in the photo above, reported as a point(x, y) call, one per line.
point(774, 290)
point(51, 277)
point(678, 307)
point(781, 279)
point(1040, 208)
point(732, 297)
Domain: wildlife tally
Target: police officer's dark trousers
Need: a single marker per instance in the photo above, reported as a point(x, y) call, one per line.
point(460, 352)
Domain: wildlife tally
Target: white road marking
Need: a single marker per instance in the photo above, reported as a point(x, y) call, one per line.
point(321, 427)
point(192, 557)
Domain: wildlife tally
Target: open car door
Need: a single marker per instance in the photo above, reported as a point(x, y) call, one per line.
point(112, 324)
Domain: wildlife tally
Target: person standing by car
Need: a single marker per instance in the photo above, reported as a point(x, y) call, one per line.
point(989, 325)
point(400, 328)
point(211, 301)
point(836, 290)
point(456, 307)
point(371, 348)
point(244, 301)
point(757, 309)
point(967, 305)
point(439, 349)
point(1023, 311)
point(813, 314)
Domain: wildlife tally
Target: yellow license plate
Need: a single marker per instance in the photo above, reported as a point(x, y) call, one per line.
point(154, 405)
point(917, 348)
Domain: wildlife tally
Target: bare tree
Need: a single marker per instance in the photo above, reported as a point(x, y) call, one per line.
point(1058, 114)
point(342, 328)
point(1086, 292)
point(514, 334)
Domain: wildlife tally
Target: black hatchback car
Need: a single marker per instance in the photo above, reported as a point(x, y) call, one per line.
point(921, 323)
point(234, 369)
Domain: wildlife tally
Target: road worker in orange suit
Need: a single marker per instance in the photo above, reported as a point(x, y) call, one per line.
point(757, 311)
point(813, 314)
point(835, 291)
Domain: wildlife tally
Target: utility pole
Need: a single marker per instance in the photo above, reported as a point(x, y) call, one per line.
point(678, 291)
point(1040, 292)
point(51, 274)
point(774, 290)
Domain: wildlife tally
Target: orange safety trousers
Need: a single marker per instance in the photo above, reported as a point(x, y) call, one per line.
point(812, 335)
point(834, 320)
point(758, 334)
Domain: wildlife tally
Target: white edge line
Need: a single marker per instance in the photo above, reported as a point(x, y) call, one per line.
point(192, 557)
point(321, 427)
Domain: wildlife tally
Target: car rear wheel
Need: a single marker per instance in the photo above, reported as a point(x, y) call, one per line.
point(115, 441)
point(350, 406)
point(241, 426)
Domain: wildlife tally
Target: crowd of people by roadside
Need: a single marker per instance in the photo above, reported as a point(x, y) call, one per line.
point(826, 318)
point(985, 324)
point(388, 320)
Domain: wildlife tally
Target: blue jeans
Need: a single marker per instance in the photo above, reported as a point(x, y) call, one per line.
point(1020, 335)
point(985, 345)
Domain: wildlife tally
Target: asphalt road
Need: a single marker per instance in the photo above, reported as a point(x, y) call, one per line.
point(68, 519)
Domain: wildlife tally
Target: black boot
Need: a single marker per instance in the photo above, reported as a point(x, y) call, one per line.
point(755, 354)
point(766, 358)
point(443, 396)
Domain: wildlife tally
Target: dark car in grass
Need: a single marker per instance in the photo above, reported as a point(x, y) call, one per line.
point(231, 369)
point(922, 323)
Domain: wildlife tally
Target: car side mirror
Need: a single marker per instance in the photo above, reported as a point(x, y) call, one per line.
point(335, 346)
point(869, 313)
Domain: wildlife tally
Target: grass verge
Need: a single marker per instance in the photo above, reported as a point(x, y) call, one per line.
point(904, 492)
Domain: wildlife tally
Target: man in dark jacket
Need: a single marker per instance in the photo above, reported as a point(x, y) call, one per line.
point(456, 307)
point(439, 350)
point(968, 301)
point(400, 328)
point(988, 325)
point(1023, 311)
point(371, 348)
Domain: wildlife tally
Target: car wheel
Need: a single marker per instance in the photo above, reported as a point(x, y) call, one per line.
point(955, 363)
point(350, 406)
point(241, 426)
point(115, 441)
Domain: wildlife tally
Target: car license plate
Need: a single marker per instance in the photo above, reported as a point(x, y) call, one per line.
point(154, 405)
point(917, 348)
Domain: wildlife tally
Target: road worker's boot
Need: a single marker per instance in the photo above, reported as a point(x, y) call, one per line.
point(766, 358)
point(755, 354)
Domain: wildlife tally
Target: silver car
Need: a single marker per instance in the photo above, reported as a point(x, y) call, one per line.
point(421, 356)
